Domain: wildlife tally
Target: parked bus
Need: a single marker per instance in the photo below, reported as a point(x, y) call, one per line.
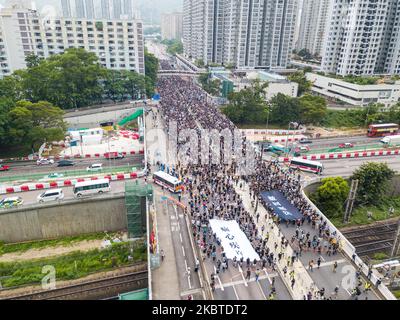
point(381, 130)
point(164, 179)
point(91, 187)
point(307, 165)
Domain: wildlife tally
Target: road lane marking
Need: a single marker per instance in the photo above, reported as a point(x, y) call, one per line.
point(259, 286)
point(266, 273)
point(238, 282)
point(241, 272)
point(183, 251)
point(219, 280)
point(234, 290)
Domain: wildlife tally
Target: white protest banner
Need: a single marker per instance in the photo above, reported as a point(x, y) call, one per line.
point(233, 240)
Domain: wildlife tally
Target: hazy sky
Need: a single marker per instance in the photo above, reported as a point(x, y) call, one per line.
point(150, 9)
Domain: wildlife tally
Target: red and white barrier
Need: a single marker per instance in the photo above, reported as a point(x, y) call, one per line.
point(80, 156)
point(67, 183)
point(273, 132)
point(347, 155)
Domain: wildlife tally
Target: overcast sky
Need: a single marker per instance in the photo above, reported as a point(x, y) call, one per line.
point(149, 8)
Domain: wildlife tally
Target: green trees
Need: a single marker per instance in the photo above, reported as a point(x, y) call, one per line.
point(331, 195)
point(122, 84)
point(312, 109)
point(173, 46)
point(248, 105)
point(28, 123)
point(284, 109)
point(210, 86)
point(75, 79)
point(300, 78)
point(373, 182)
point(69, 80)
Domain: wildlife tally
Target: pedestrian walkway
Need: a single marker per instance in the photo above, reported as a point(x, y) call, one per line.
point(165, 278)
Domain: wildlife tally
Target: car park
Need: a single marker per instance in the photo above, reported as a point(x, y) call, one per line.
point(95, 167)
point(4, 167)
point(44, 161)
point(50, 195)
point(65, 163)
point(11, 202)
point(346, 145)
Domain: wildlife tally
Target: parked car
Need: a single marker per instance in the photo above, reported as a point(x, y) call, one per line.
point(44, 161)
point(65, 163)
point(346, 145)
point(305, 140)
point(11, 202)
point(4, 167)
point(95, 167)
point(50, 195)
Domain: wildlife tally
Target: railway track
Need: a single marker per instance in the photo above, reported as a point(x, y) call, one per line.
point(372, 239)
point(95, 289)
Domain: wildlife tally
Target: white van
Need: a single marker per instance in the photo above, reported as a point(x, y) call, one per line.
point(51, 195)
point(95, 167)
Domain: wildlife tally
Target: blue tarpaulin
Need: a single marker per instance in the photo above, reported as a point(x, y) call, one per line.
point(282, 207)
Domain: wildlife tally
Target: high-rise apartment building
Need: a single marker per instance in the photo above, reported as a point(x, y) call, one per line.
point(245, 33)
point(102, 9)
point(313, 25)
point(171, 25)
point(117, 43)
point(363, 38)
point(66, 8)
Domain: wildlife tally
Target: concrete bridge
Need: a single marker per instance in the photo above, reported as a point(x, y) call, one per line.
point(186, 73)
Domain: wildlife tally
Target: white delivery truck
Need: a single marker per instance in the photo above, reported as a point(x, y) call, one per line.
point(391, 141)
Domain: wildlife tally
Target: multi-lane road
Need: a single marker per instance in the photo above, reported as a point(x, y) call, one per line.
point(30, 167)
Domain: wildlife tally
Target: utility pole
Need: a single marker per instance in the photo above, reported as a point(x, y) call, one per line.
point(350, 201)
point(396, 242)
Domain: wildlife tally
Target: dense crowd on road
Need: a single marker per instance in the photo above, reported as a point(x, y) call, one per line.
point(211, 193)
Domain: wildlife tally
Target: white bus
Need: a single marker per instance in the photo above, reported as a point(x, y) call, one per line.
point(164, 179)
point(307, 165)
point(91, 187)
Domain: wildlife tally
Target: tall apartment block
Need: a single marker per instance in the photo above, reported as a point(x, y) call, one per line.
point(245, 33)
point(171, 25)
point(104, 9)
point(313, 25)
point(117, 43)
point(363, 38)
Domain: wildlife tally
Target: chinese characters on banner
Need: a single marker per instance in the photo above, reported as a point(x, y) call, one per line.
point(233, 240)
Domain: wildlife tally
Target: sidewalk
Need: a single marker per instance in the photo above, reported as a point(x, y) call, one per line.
point(165, 280)
point(303, 282)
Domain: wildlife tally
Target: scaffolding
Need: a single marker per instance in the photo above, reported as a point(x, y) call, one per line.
point(136, 194)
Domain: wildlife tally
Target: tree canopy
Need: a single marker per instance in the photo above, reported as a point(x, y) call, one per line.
point(373, 179)
point(300, 78)
point(331, 196)
point(248, 105)
point(28, 123)
point(75, 79)
point(209, 85)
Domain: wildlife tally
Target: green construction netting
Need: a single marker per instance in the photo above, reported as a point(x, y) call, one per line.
point(135, 295)
point(135, 115)
point(135, 202)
